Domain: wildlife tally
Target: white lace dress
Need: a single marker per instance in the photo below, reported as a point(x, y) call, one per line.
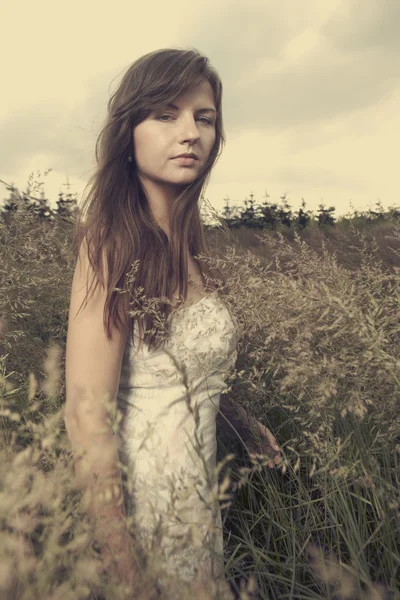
point(163, 449)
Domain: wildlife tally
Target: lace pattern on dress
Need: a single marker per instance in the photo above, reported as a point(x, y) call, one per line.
point(169, 437)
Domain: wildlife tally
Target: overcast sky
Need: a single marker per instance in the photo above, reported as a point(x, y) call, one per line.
point(311, 92)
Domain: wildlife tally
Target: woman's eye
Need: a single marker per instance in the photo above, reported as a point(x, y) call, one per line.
point(204, 118)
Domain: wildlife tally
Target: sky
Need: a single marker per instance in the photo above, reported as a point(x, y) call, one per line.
point(311, 93)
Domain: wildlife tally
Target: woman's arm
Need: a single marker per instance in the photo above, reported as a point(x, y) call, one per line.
point(97, 470)
point(232, 420)
point(93, 368)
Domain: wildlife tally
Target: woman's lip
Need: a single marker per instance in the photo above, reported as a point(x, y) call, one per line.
point(185, 160)
point(186, 157)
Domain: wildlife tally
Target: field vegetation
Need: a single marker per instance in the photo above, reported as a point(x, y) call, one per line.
point(319, 364)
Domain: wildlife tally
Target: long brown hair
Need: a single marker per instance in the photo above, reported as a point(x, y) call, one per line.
point(115, 221)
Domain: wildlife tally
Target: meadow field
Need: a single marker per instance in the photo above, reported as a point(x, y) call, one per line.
point(319, 364)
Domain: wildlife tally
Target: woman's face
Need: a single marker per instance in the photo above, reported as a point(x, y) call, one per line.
point(188, 128)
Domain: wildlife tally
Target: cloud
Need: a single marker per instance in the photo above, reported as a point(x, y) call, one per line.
point(311, 86)
point(360, 25)
point(336, 77)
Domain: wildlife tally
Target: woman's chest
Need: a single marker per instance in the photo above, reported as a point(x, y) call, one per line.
point(196, 285)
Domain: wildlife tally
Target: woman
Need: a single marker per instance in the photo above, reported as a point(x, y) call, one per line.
point(143, 212)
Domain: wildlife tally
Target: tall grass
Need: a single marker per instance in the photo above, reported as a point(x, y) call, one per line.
point(318, 364)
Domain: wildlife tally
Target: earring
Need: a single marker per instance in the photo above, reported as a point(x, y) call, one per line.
point(130, 159)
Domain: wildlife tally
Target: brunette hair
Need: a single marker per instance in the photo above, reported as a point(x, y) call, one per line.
point(115, 222)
